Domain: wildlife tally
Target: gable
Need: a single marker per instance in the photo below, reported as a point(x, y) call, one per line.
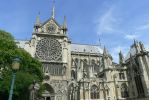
point(51, 27)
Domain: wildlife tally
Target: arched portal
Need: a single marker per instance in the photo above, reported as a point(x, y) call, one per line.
point(48, 98)
point(48, 93)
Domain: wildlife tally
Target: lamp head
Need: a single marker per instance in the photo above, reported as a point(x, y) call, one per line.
point(16, 63)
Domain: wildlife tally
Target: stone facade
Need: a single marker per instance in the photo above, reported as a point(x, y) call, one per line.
point(85, 72)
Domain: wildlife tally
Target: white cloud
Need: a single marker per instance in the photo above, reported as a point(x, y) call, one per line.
point(118, 49)
point(106, 23)
point(131, 36)
point(143, 27)
point(117, 21)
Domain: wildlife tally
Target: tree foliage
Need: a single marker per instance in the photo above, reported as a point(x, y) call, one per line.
point(30, 68)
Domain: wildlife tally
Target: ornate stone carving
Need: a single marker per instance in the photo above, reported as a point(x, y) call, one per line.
point(59, 87)
point(49, 49)
point(51, 28)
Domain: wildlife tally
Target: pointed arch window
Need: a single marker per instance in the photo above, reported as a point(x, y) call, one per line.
point(76, 62)
point(72, 62)
point(73, 74)
point(94, 66)
point(85, 65)
point(85, 68)
point(121, 76)
point(94, 92)
point(124, 90)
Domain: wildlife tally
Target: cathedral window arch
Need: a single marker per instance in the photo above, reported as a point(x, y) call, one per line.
point(121, 76)
point(85, 64)
point(53, 69)
point(76, 62)
point(85, 67)
point(85, 61)
point(49, 49)
point(94, 92)
point(124, 90)
point(63, 70)
point(93, 65)
point(73, 74)
point(49, 91)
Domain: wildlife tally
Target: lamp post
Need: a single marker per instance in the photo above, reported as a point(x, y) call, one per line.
point(15, 67)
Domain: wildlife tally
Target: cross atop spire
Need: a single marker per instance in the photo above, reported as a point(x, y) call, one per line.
point(53, 9)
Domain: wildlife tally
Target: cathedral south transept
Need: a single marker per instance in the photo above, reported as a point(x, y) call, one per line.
point(85, 72)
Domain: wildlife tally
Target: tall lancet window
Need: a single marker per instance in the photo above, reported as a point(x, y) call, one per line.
point(85, 65)
point(124, 90)
point(73, 75)
point(76, 62)
point(93, 66)
point(94, 92)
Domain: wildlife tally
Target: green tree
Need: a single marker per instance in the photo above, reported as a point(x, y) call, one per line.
point(29, 71)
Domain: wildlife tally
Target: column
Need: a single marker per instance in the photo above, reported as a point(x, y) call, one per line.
point(143, 81)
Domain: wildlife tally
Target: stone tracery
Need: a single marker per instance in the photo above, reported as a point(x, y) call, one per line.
point(49, 49)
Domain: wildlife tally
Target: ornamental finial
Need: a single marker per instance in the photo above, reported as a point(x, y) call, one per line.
point(53, 9)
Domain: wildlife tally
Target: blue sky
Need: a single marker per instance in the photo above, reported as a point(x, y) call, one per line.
point(115, 22)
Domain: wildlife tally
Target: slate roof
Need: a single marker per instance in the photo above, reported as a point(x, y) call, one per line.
point(86, 48)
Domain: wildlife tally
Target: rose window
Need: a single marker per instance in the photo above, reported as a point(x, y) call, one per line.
point(49, 49)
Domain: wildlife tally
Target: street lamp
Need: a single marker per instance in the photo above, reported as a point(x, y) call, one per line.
point(15, 67)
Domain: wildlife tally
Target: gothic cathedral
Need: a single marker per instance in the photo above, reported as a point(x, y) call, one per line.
point(85, 72)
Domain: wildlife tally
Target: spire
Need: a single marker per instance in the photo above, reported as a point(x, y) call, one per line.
point(141, 46)
point(105, 52)
point(105, 58)
point(136, 45)
point(37, 23)
point(53, 9)
point(99, 42)
point(65, 23)
point(121, 58)
point(64, 26)
point(135, 42)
